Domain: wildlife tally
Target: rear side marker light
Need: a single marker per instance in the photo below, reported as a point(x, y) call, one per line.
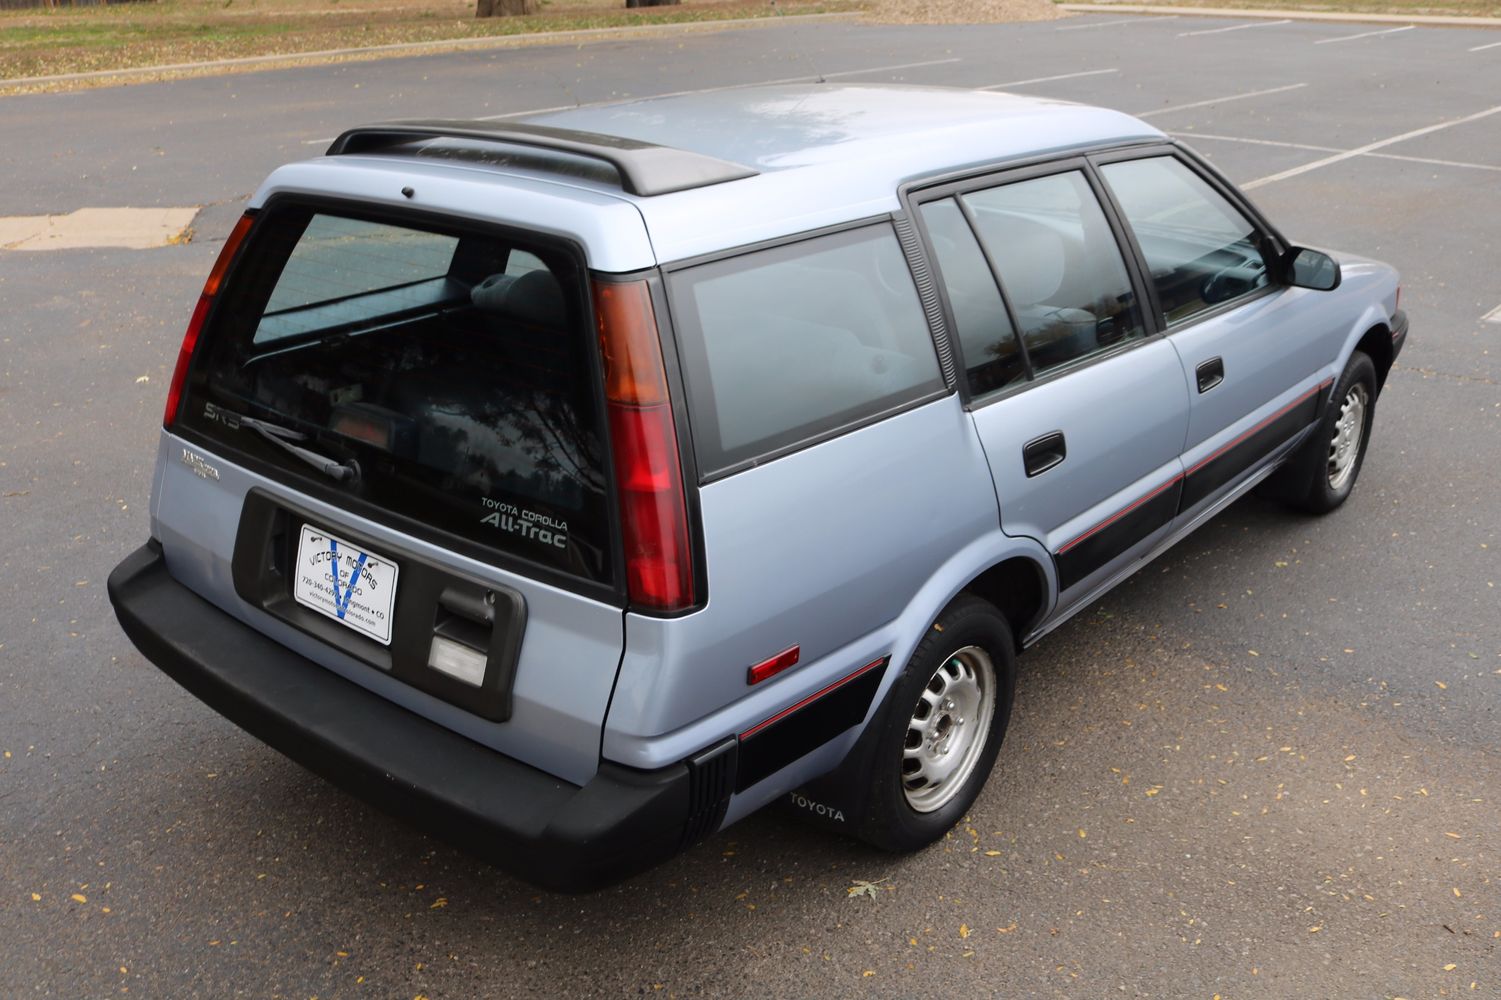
point(643, 435)
point(770, 668)
point(200, 313)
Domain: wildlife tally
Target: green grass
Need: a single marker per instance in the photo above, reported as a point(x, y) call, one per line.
point(125, 36)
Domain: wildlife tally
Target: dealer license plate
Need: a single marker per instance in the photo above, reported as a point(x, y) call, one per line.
point(345, 582)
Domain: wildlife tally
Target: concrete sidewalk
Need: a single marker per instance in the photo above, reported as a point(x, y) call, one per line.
point(1437, 20)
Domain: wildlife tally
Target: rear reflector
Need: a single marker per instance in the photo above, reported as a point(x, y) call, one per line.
point(770, 668)
point(200, 313)
point(648, 472)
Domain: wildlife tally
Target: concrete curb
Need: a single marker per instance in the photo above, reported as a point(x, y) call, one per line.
point(1280, 15)
point(278, 60)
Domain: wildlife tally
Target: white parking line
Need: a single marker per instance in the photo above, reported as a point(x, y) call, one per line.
point(1334, 149)
point(807, 77)
point(1234, 27)
point(1257, 142)
point(1220, 100)
point(529, 111)
point(1106, 24)
point(1482, 48)
point(1364, 34)
point(1369, 148)
point(1494, 316)
point(1048, 79)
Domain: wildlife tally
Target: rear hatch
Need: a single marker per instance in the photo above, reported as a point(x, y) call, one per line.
point(390, 454)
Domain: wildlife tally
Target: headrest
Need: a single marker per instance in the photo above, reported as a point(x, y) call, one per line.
point(535, 297)
point(1032, 260)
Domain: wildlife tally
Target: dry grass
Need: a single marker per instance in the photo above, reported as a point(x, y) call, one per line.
point(1462, 8)
point(124, 36)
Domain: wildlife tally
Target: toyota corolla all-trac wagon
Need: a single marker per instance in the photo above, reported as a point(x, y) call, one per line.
point(574, 487)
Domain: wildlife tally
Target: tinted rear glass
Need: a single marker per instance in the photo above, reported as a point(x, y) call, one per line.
point(452, 367)
point(786, 344)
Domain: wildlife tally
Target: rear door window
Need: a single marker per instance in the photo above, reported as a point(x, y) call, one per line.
point(786, 344)
point(987, 340)
point(452, 367)
point(1059, 265)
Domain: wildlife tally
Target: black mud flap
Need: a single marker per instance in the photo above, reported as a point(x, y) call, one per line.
point(837, 801)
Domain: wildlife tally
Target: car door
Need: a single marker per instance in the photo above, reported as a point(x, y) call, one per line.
point(1250, 349)
point(1079, 405)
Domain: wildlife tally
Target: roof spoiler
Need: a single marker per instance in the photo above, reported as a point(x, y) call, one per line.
point(645, 169)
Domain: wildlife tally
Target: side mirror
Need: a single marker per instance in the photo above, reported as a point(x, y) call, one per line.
point(1305, 268)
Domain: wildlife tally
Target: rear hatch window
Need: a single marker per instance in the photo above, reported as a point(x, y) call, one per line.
point(439, 373)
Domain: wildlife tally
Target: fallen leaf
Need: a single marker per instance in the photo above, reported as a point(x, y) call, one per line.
point(964, 930)
point(1450, 967)
point(438, 903)
point(79, 897)
point(36, 897)
point(864, 888)
point(143, 378)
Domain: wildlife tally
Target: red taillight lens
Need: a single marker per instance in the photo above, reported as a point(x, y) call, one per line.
point(200, 313)
point(648, 473)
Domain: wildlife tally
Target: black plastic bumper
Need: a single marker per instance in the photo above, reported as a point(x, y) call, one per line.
point(553, 834)
point(1399, 332)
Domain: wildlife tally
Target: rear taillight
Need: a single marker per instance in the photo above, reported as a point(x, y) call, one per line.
point(200, 313)
point(648, 472)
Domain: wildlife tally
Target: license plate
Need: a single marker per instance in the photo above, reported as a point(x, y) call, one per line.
point(345, 582)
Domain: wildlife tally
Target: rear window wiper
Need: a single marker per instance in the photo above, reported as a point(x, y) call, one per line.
point(282, 437)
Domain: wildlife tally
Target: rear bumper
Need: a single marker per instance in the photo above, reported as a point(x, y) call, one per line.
point(1399, 332)
point(548, 832)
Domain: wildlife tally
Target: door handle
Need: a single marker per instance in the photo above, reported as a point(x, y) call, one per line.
point(1041, 454)
point(1211, 373)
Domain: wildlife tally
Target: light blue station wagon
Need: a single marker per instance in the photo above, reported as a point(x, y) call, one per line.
point(573, 487)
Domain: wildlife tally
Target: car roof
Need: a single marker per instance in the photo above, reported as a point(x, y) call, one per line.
point(831, 153)
point(777, 161)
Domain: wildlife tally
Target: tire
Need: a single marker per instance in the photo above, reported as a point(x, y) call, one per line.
point(1338, 445)
point(954, 699)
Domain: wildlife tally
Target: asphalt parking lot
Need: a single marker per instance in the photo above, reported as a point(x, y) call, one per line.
point(1265, 767)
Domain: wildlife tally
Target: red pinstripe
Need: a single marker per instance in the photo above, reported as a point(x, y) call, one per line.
point(753, 730)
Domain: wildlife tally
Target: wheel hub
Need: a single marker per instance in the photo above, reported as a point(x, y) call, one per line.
point(1344, 446)
point(946, 734)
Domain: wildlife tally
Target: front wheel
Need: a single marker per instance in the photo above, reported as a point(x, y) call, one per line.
point(941, 728)
point(1342, 437)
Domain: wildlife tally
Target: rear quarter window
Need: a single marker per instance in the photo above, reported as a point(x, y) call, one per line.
point(784, 345)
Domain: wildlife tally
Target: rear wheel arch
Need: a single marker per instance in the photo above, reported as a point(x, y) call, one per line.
point(1018, 588)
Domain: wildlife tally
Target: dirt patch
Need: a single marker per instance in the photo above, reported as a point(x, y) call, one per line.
point(961, 11)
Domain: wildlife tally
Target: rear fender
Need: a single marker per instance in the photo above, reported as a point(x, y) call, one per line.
point(836, 797)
